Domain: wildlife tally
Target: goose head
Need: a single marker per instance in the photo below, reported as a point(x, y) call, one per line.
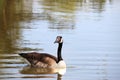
point(59, 39)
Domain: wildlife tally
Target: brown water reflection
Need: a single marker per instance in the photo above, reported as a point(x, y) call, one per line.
point(10, 30)
point(59, 77)
point(58, 13)
point(31, 70)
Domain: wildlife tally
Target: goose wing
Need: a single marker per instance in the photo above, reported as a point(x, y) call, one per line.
point(40, 59)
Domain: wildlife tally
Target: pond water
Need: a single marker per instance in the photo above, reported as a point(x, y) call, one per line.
point(90, 29)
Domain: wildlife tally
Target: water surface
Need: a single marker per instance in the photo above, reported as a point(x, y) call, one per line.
point(90, 29)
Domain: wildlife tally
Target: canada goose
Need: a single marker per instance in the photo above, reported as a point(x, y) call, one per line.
point(44, 59)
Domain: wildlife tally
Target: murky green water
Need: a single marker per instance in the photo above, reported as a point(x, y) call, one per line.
point(90, 29)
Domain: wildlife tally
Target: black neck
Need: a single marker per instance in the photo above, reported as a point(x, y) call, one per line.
point(59, 56)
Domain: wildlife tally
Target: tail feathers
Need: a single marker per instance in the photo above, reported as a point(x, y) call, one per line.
point(23, 54)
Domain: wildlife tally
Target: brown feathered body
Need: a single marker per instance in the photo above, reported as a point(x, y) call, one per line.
point(40, 59)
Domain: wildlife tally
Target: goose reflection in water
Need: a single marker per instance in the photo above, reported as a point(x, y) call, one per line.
point(32, 70)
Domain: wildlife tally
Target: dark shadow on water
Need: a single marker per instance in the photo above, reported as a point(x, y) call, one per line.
point(42, 76)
